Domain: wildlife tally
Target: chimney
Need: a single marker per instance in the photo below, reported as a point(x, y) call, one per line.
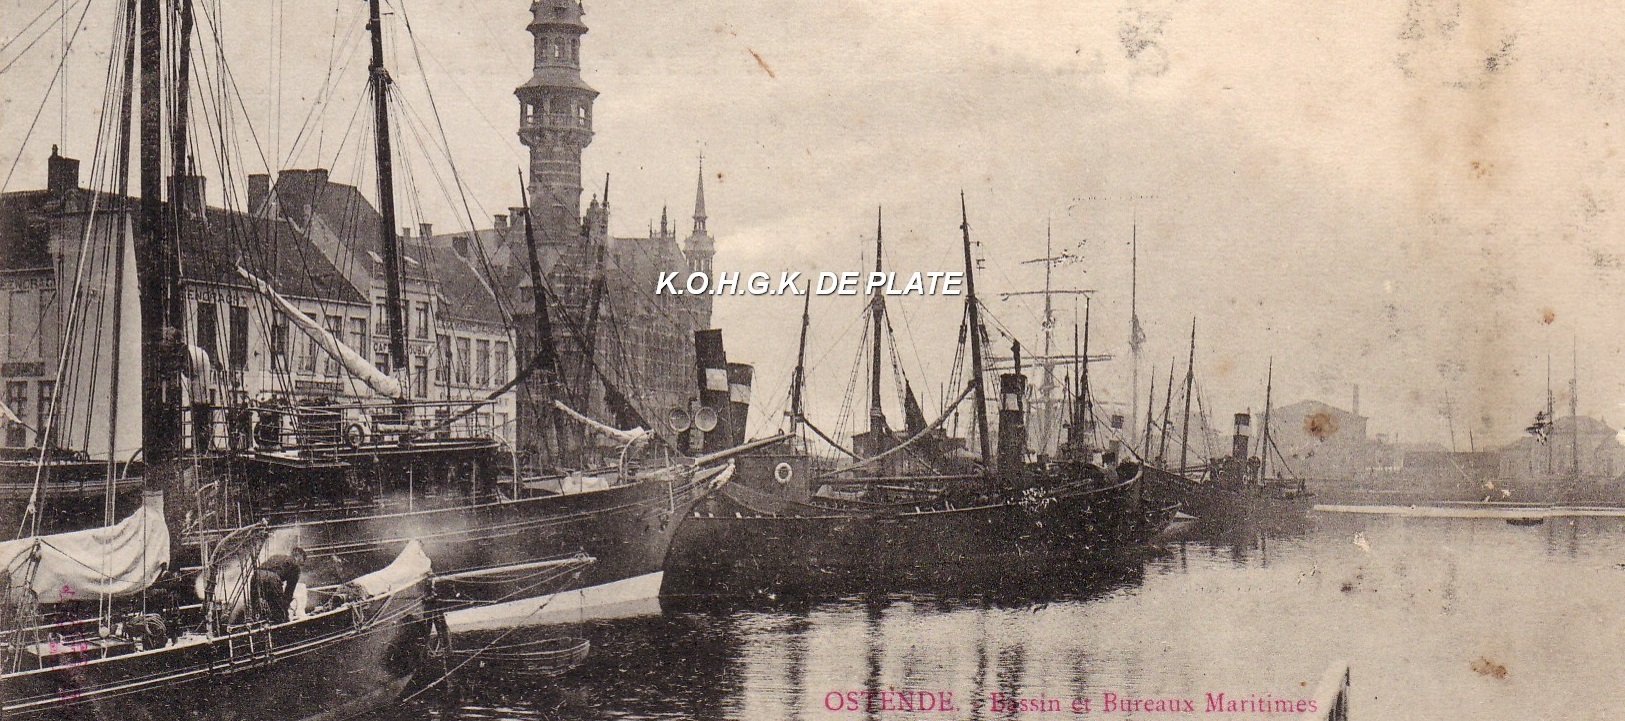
point(425, 230)
point(62, 173)
point(517, 214)
point(499, 221)
point(406, 232)
point(259, 191)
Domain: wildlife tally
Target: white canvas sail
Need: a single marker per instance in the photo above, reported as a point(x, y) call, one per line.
point(407, 570)
point(96, 563)
point(357, 366)
point(88, 318)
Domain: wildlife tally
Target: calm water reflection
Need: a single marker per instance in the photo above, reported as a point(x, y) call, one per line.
point(1420, 608)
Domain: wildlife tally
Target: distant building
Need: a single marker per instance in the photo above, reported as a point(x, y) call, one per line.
point(1597, 446)
point(1319, 440)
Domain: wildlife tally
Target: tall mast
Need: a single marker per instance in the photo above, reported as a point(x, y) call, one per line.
point(799, 379)
point(1075, 419)
point(1190, 382)
point(1136, 334)
point(1150, 402)
point(1047, 392)
point(1574, 408)
point(877, 313)
point(1551, 412)
point(548, 421)
point(158, 273)
point(394, 314)
point(1085, 416)
point(1264, 442)
point(1167, 408)
point(974, 317)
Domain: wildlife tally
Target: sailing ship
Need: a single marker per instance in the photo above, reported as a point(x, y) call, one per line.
point(353, 483)
point(93, 622)
point(1236, 490)
point(920, 509)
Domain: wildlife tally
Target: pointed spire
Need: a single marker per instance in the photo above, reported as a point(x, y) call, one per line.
point(663, 224)
point(699, 199)
point(606, 190)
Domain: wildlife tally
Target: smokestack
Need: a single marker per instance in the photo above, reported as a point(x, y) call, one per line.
point(711, 365)
point(425, 230)
point(259, 191)
point(739, 380)
point(61, 173)
point(1356, 408)
point(1241, 442)
point(1012, 424)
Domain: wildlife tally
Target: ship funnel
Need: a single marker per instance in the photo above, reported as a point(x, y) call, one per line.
point(1241, 442)
point(1012, 424)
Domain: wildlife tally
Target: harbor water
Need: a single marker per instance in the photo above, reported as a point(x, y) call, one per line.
point(1436, 618)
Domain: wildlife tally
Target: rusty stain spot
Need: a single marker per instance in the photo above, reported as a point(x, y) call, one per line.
point(719, 177)
point(1547, 315)
point(761, 62)
point(1486, 667)
point(1480, 169)
point(1319, 424)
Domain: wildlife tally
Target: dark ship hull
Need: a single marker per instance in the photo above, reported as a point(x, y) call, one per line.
point(511, 560)
point(330, 665)
point(1222, 501)
point(734, 545)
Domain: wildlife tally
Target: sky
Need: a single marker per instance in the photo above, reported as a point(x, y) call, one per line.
point(1420, 198)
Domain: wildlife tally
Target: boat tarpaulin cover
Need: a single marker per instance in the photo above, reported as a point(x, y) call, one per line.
point(407, 570)
point(95, 563)
point(358, 367)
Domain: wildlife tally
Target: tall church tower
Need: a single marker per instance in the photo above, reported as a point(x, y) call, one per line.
point(699, 249)
point(555, 115)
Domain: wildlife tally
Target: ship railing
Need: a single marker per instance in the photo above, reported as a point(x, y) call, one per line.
point(324, 432)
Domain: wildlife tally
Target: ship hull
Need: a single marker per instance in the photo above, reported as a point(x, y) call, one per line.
point(501, 552)
point(330, 665)
point(730, 548)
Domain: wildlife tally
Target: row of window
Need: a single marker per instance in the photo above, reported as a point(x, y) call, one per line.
point(36, 414)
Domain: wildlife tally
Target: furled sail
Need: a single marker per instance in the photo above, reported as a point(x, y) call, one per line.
point(357, 366)
point(611, 431)
point(407, 570)
point(96, 563)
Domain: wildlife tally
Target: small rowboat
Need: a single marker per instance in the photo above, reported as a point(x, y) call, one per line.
point(534, 659)
point(1525, 521)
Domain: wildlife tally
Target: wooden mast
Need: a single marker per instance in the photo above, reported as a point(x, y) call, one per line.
point(158, 274)
point(1190, 382)
point(877, 314)
point(974, 318)
point(799, 378)
point(546, 352)
point(394, 313)
point(1264, 442)
point(1085, 416)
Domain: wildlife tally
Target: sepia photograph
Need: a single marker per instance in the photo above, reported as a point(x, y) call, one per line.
point(411, 360)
